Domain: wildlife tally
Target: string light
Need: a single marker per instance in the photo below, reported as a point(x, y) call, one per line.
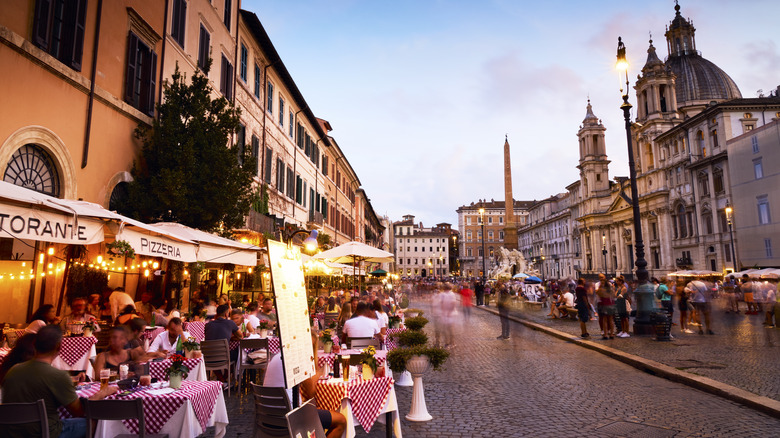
point(40, 258)
point(156, 265)
point(100, 259)
point(51, 250)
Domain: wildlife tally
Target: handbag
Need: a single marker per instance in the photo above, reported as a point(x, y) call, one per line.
point(628, 307)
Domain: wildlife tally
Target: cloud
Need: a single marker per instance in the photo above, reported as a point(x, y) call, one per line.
point(762, 62)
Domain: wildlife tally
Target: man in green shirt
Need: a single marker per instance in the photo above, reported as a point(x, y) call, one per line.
point(36, 379)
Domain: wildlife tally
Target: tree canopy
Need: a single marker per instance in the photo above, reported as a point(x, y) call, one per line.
point(189, 172)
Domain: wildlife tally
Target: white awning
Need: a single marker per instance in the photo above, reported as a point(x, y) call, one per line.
point(212, 248)
point(32, 223)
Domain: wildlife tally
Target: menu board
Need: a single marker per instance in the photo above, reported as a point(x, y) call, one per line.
point(292, 311)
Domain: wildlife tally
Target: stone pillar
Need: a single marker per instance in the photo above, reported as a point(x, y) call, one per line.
point(510, 224)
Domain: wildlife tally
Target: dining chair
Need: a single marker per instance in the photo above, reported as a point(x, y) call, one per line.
point(271, 406)
point(21, 413)
point(251, 344)
point(118, 410)
point(305, 422)
point(216, 357)
point(354, 343)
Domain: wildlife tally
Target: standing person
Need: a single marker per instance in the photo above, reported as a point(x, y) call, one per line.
point(466, 295)
point(747, 289)
point(479, 291)
point(36, 380)
point(503, 310)
point(682, 305)
point(701, 298)
point(621, 305)
point(606, 308)
point(118, 300)
point(449, 313)
point(583, 307)
point(729, 288)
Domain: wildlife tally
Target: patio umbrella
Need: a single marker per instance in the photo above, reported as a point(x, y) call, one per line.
point(520, 275)
point(378, 273)
point(533, 280)
point(355, 253)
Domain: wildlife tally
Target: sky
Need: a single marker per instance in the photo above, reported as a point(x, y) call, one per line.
point(421, 93)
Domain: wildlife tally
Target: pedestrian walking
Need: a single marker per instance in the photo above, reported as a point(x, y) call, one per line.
point(701, 298)
point(583, 307)
point(503, 310)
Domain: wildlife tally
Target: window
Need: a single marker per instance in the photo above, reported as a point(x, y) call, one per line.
point(228, 11)
point(758, 169)
point(226, 82)
point(654, 230)
point(178, 21)
point(256, 152)
point(269, 155)
point(290, 124)
point(717, 180)
point(468, 220)
point(244, 58)
point(700, 143)
point(140, 75)
point(58, 29)
point(490, 235)
point(269, 93)
point(240, 142)
point(501, 219)
point(281, 111)
point(707, 223)
point(204, 48)
point(763, 210)
point(754, 143)
point(325, 165)
point(298, 189)
point(468, 252)
point(501, 235)
point(422, 249)
point(468, 235)
point(768, 248)
point(280, 174)
point(490, 220)
point(290, 183)
point(714, 137)
point(727, 251)
point(682, 227)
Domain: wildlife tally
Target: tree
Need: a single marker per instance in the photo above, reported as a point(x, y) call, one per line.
point(187, 172)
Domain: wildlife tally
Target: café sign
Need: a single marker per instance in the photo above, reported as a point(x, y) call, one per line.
point(30, 224)
point(158, 246)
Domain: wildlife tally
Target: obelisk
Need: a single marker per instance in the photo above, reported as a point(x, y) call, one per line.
point(510, 224)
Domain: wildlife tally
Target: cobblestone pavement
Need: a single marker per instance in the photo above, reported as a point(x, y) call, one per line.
point(742, 353)
point(537, 385)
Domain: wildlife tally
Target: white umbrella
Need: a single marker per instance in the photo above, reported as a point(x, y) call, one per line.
point(355, 253)
point(520, 275)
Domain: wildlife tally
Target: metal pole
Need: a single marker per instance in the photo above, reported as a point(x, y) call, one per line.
point(484, 269)
point(733, 253)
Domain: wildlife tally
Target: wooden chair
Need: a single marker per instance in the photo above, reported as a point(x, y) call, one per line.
point(354, 343)
point(216, 357)
point(271, 406)
point(251, 344)
point(118, 410)
point(21, 413)
point(305, 422)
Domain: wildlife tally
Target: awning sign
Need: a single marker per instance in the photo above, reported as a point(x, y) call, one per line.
point(158, 246)
point(26, 223)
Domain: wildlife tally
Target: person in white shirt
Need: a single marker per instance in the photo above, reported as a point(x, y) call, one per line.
point(166, 341)
point(381, 317)
point(360, 326)
point(251, 315)
point(118, 300)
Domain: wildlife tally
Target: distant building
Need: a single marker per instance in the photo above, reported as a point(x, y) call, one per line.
point(546, 241)
point(419, 251)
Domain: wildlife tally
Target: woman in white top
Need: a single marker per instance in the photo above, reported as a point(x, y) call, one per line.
point(382, 319)
point(45, 315)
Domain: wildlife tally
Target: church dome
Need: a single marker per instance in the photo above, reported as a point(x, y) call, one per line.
point(698, 80)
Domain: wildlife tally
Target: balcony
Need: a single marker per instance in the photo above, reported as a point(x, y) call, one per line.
point(316, 220)
point(683, 262)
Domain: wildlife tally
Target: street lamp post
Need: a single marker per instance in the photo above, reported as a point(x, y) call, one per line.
point(482, 222)
point(729, 212)
point(604, 251)
point(644, 293)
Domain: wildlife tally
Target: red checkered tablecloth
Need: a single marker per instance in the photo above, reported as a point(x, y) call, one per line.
point(158, 409)
point(3, 354)
point(197, 329)
point(368, 397)
point(274, 345)
point(157, 369)
point(151, 334)
point(392, 342)
point(73, 349)
point(327, 358)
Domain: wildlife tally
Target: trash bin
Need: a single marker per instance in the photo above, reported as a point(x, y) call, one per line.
point(662, 325)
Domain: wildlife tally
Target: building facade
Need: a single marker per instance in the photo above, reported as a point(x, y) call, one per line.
point(421, 252)
point(546, 241)
point(470, 226)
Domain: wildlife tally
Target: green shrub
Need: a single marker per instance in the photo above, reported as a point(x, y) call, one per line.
point(411, 338)
point(416, 323)
point(396, 359)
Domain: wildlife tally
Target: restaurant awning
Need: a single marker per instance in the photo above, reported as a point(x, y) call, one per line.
point(212, 248)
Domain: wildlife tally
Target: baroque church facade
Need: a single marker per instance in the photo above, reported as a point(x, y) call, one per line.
point(688, 113)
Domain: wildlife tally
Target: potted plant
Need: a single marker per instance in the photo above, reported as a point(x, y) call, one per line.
point(191, 348)
point(89, 327)
point(177, 371)
point(395, 321)
point(411, 313)
point(326, 337)
point(263, 327)
point(369, 362)
point(120, 248)
point(416, 357)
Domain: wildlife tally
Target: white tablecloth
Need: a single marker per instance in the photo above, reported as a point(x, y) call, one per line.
point(183, 424)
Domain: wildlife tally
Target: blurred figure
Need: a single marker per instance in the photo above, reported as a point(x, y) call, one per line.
point(144, 307)
point(382, 319)
point(448, 314)
point(167, 341)
point(622, 302)
point(606, 308)
point(466, 295)
point(94, 306)
point(701, 297)
point(78, 316)
point(23, 351)
point(729, 288)
point(117, 354)
point(332, 312)
point(682, 305)
point(770, 294)
point(267, 313)
point(583, 307)
point(45, 315)
point(126, 315)
point(502, 302)
point(479, 291)
point(747, 287)
point(237, 316)
point(118, 300)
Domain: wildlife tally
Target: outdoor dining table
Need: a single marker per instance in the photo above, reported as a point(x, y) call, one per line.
point(185, 412)
point(362, 401)
point(3, 353)
point(196, 329)
point(274, 345)
point(197, 369)
point(391, 343)
point(327, 358)
point(75, 353)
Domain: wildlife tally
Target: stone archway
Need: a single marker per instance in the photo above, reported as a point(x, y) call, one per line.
point(114, 185)
point(53, 145)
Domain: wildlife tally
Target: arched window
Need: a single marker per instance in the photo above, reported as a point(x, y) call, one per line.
point(31, 167)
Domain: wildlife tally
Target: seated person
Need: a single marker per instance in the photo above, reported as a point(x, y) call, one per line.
point(361, 325)
point(223, 328)
point(565, 305)
point(333, 422)
point(166, 341)
point(267, 313)
point(145, 307)
point(136, 327)
point(78, 316)
point(127, 314)
point(245, 329)
point(42, 317)
point(36, 380)
point(93, 306)
point(23, 351)
point(117, 354)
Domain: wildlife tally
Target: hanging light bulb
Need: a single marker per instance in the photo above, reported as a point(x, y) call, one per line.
point(250, 269)
point(146, 273)
point(51, 250)
point(40, 258)
point(50, 265)
point(156, 265)
point(100, 259)
point(24, 264)
point(144, 264)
